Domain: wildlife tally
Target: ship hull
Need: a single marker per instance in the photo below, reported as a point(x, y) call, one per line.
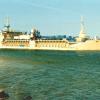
point(88, 45)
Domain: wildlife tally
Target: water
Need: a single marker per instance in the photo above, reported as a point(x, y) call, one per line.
point(50, 75)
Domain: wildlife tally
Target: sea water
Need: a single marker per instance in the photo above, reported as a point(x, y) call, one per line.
point(50, 75)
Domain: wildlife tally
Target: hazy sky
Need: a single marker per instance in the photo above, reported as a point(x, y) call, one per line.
point(52, 16)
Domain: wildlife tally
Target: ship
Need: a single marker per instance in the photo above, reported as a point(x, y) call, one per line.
point(10, 39)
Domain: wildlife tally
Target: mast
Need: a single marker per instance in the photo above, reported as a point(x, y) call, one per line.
point(7, 24)
point(82, 30)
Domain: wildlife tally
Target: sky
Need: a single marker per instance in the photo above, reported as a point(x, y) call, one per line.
point(52, 17)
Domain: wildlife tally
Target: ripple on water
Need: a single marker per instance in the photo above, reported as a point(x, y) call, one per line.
point(50, 75)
